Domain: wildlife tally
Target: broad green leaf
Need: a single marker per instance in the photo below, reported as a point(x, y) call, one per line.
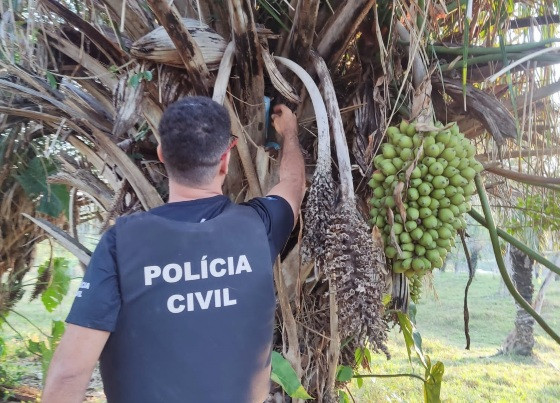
point(57, 331)
point(412, 338)
point(344, 373)
point(2, 347)
point(386, 299)
point(134, 80)
point(360, 382)
point(285, 376)
point(33, 180)
point(432, 386)
point(147, 75)
point(343, 397)
point(52, 80)
point(58, 288)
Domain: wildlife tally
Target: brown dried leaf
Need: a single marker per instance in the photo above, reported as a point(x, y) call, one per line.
point(394, 240)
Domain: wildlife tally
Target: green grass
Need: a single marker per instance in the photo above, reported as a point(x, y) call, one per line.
point(477, 374)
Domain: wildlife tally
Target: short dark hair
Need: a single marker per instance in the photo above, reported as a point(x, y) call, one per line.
point(195, 132)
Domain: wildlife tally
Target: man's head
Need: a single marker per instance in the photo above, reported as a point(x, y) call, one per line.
point(195, 135)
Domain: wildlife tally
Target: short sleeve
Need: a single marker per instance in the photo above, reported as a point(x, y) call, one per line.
point(278, 219)
point(98, 299)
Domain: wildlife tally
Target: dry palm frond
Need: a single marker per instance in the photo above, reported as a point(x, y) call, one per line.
point(157, 46)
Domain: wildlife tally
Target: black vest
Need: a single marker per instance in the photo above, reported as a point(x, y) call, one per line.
point(197, 311)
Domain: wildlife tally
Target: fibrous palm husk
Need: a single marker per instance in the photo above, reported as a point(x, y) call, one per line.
point(157, 46)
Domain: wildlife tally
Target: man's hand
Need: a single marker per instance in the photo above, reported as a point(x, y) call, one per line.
point(284, 121)
point(292, 170)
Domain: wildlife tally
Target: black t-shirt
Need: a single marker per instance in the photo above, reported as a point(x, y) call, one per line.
point(98, 299)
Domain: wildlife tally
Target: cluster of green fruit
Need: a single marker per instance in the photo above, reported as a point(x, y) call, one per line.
point(437, 170)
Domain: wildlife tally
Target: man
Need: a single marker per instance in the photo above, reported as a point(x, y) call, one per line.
point(178, 303)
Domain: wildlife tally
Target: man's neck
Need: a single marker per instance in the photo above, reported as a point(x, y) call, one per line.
point(179, 192)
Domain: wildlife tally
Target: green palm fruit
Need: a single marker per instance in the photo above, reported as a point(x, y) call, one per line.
point(442, 252)
point(410, 225)
point(406, 154)
point(426, 239)
point(406, 264)
point(424, 201)
point(443, 162)
point(403, 126)
point(375, 202)
point(405, 237)
point(440, 182)
point(429, 141)
point(390, 252)
point(380, 221)
point(471, 150)
point(463, 163)
point(411, 129)
point(436, 169)
point(427, 263)
point(378, 192)
point(392, 131)
point(450, 171)
point(416, 182)
point(443, 242)
point(416, 140)
point(455, 162)
point(398, 219)
point(468, 173)
point(417, 264)
point(389, 201)
point(443, 136)
point(434, 205)
point(432, 150)
point(445, 215)
point(398, 163)
point(423, 169)
point(477, 166)
point(378, 160)
point(397, 228)
point(470, 189)
point(387, 229)
point(388, 168)
point(412, 213)
point(454, 129)
point(417, 234)
point(456, 223)
point(397, 267)
point(424, 212)
point(416, 173)
point(430, 222)
point(434, 233)
point(444, 202)
point(429, 178)
point(419, 249)
point(458, 199)
point(428, 161)
point(388, 180)
point(437, 194)
point(405, 142)
point(388, 151)
point(408, 247)
point(425, 189)
point(378, 176)
point(461, 190)
point(444, 232)
point(433, 256)
point(450, 191)
point(455, 210)
point(373, 183)
point(458, 181)
point(413, 204)
point(412, 194)
point(374, 212)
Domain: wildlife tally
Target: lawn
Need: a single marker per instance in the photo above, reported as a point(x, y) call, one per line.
point(472, 375)
point(478, 374)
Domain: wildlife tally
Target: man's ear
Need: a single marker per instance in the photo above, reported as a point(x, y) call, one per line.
point(224, 164)
point(160, 153)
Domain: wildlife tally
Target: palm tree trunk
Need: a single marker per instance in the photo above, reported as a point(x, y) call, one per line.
point(521, 340)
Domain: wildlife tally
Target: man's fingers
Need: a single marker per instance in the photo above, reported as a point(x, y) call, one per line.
point(278, 108)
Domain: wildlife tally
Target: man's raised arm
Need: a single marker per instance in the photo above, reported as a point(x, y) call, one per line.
point(291, 186)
